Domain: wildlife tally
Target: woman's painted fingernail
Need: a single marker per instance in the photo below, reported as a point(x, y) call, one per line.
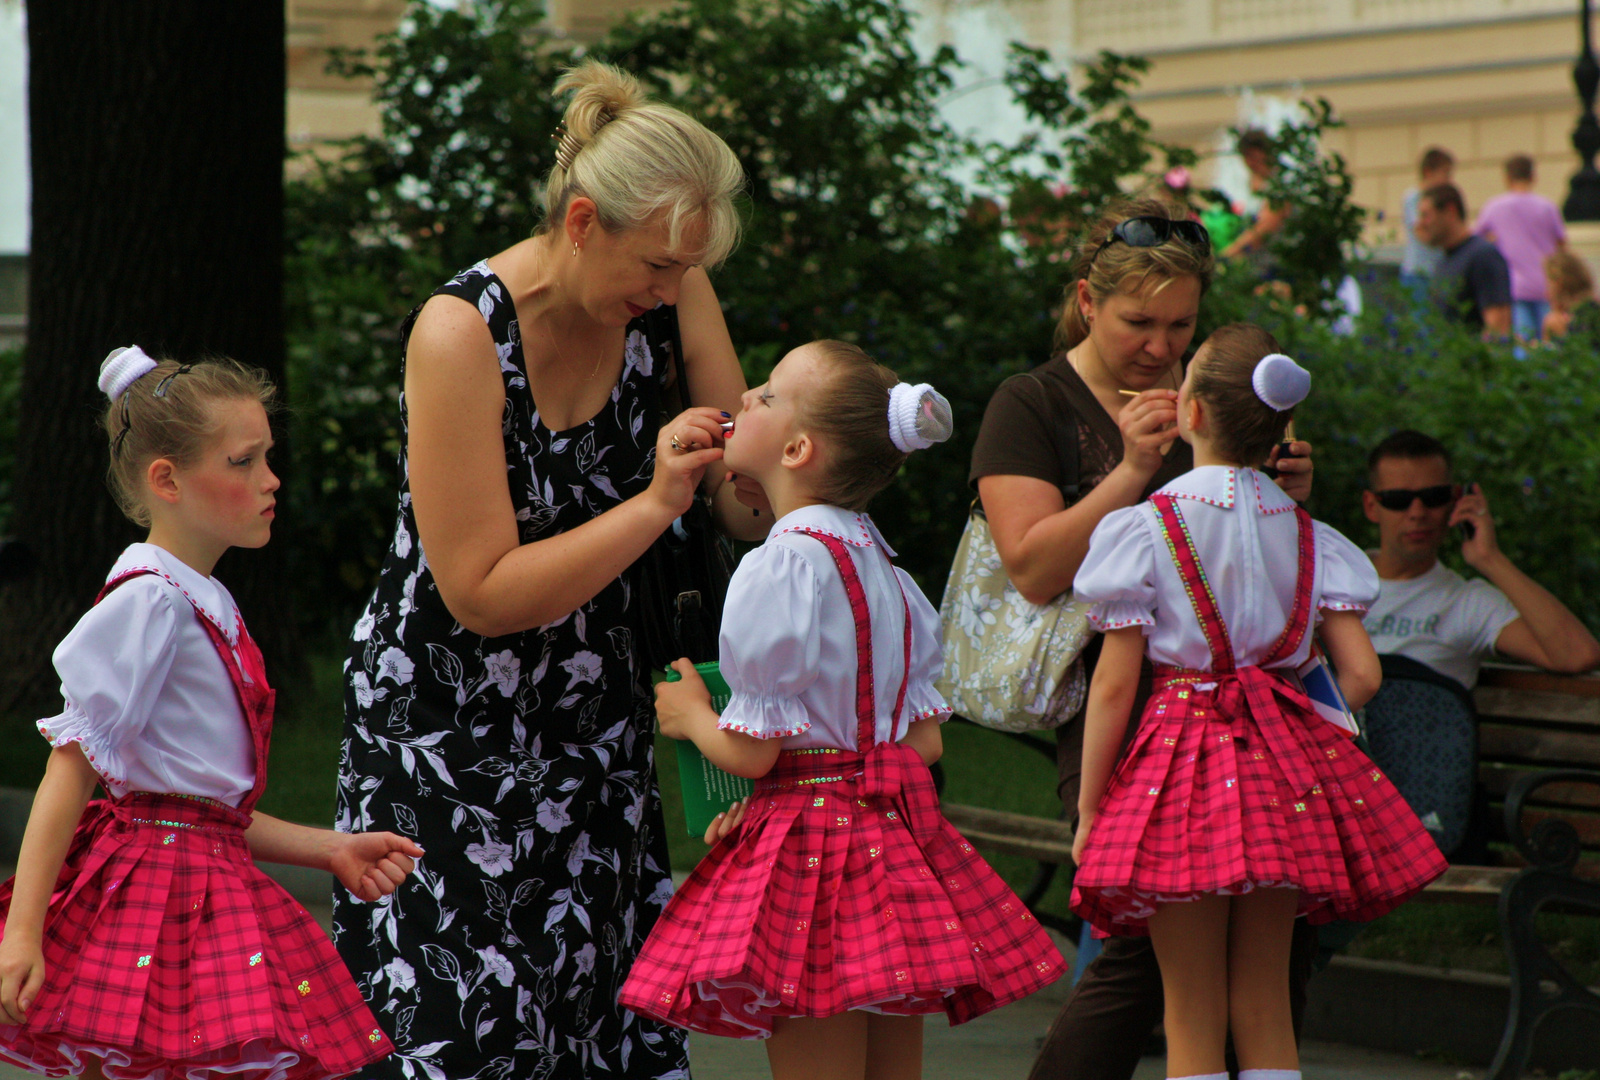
point(726, 414)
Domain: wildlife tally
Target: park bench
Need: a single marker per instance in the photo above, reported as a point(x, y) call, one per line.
point(1538, 760)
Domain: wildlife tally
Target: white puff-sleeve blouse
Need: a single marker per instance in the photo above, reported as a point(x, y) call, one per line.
point(1244, 531)
point(788, 640)
point(145, 695)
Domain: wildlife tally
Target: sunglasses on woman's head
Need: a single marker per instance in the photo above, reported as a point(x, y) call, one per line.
point(1400, 498)
point(1146, 232)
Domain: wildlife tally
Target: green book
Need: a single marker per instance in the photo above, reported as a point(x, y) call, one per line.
point(707, 790)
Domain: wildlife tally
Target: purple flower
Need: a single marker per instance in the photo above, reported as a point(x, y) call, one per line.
point(552, 816)
point(585, 667)
point(395, 664)
point(497, 965)
point(402, 976)
point(504, 669)
point(492, 856)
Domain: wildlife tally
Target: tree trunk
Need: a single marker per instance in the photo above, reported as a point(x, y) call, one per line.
point(157, 141)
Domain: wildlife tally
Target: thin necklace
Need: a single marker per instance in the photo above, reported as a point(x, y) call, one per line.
point(554, 344)
point(551, 334)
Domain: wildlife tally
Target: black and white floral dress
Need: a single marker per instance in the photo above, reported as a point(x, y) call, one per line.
point(522, 764)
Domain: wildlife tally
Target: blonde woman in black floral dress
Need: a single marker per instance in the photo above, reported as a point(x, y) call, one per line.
point(495, 706)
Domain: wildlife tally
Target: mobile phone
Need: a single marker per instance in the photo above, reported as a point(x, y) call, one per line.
point(1466, 528)
point(1285, 450)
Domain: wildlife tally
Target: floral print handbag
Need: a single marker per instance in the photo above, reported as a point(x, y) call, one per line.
point(1009, 664)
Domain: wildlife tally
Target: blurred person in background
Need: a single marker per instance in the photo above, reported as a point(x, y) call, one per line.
point(1421, 261)
point(1473, 282)
point(1255, 147)
point(1526, 227)
point(1570, 287)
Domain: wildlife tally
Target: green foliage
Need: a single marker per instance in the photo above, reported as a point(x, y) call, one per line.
point(1105, 145)
point(1313, 249)
point(453, 178)
point(1528, 430)
point(856, 227)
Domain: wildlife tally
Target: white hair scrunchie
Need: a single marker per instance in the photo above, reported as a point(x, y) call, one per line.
point(1280, 382)
point(919, 416)
point(122, 368)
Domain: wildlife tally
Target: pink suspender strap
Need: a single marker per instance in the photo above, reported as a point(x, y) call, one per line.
point(1176, 533)
point(1181, 545)
point(1299, 624)
point(245, 669)
point(866, 706)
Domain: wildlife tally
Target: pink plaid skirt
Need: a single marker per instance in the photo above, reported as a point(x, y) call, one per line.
point(844, 888)
point(1242, 786)
point(169, 955)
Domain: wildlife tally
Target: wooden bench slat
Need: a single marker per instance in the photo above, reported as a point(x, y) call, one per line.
point(1501, 741)
point(1000, 831)
point(1494, 701)
point(1498, 777)
point(1524, 678)
point(1468, 885)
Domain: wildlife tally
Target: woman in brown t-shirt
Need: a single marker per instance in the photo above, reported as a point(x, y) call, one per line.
point(1128, 321)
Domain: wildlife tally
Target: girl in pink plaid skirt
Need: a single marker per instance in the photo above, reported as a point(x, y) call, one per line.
point(140, 939)
point(838, 906)
point(1235, 807)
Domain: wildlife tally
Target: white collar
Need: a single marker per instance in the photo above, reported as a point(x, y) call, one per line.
point(855, 529)
point(207, 594)
point(1217, 485)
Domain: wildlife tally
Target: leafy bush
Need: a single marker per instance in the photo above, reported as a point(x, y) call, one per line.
point(856, 228)
point(1313, 249)
point(1527, 429)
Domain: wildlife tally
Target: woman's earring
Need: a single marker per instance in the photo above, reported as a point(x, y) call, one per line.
point(574, 249)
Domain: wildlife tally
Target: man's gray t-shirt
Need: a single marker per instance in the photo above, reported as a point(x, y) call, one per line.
point(1440, 619)
point(1472, 276)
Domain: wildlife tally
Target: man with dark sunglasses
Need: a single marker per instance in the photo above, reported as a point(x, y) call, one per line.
point(1432, 614)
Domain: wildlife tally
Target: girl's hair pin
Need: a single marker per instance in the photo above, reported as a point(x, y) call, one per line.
point(161, 387)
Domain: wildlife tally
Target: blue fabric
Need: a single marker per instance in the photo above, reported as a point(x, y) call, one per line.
point(1089, 947)
point(1527, 318)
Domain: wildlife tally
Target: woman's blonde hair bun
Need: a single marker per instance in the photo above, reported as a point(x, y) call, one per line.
point(641, 161)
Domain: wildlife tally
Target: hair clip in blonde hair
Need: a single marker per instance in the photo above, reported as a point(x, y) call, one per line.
point(1280, 382)
point(122, 368)
point(567, 147)
point(919, 416)
point(567, 144)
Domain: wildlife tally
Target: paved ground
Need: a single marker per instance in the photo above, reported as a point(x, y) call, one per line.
point(1002, 1045)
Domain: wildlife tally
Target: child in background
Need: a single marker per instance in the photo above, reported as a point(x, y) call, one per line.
point(140, 939)
point(840, 907)
point(1235, 808)
point(1570, 288)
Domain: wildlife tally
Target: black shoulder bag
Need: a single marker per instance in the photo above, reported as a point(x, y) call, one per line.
point(681, 581)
